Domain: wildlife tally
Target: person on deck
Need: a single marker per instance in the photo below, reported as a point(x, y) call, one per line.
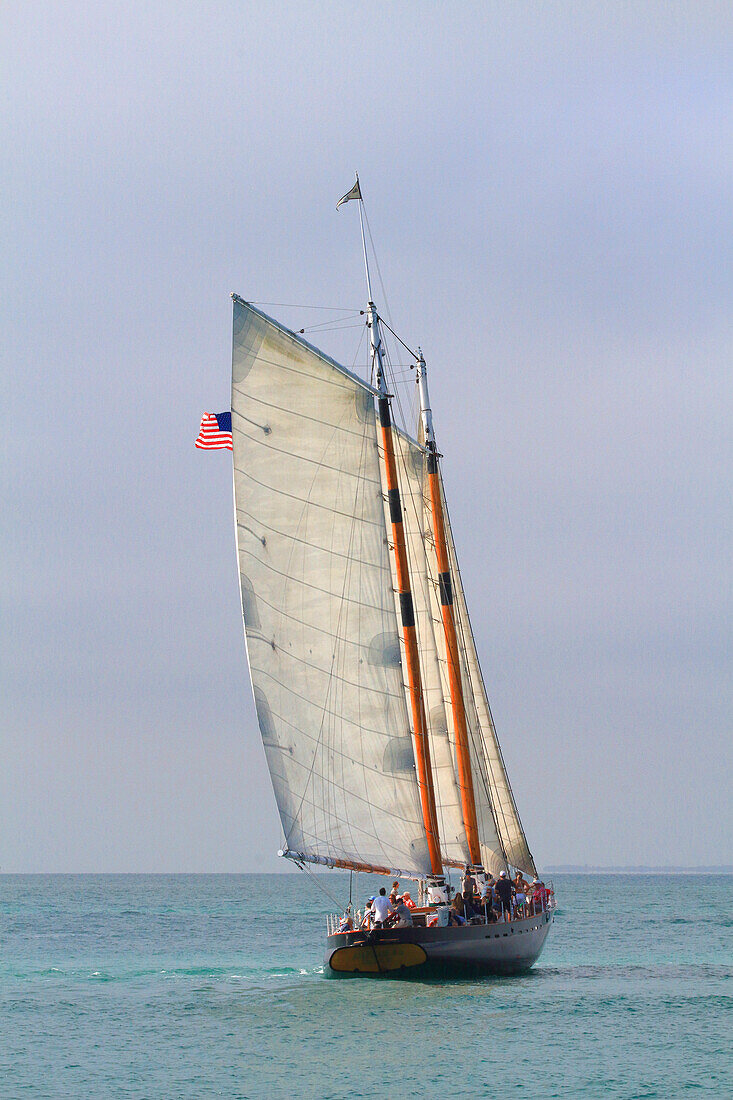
point(468, 885)
point(456, 913)
point(503, 890)
point(486, 903)
point(381, 908)
point(394, 893)
point(520, 895)
point(346, 924)
point(541, 896)
point(368, 913)
point(470, 906)
point(401, 914)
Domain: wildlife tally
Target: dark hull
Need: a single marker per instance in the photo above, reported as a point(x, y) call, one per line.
point(470, 951)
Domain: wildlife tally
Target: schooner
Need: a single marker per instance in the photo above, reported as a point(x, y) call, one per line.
point(372, 708)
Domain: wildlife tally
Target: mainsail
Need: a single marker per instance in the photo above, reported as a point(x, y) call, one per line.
point(318, 606)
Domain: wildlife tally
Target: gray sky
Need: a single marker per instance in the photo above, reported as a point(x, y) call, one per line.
point(549, 188)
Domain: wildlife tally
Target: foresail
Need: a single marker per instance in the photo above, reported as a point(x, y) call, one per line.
point(317, 600)
point(485, 751)
point(492, 852)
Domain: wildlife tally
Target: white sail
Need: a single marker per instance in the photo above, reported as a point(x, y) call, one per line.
point(318, 605)
point(490, 779)
point(418, 525)
point(411, 471)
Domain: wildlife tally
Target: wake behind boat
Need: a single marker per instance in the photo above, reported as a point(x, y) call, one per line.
point(372, 708)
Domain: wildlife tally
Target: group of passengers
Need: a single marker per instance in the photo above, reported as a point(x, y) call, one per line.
point(501, 898)
point(382, 911)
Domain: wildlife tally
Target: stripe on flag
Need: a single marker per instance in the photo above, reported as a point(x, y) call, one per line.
point(215, 433)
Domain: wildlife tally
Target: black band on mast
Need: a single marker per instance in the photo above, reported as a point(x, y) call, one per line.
point(407, 609)
point(446, 589)
point(395, 507)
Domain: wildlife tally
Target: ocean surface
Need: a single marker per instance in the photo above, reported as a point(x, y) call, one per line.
point(167, 986)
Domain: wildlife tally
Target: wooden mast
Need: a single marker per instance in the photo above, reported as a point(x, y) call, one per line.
point(409, 632)
point(458, 706)
point(407, 611)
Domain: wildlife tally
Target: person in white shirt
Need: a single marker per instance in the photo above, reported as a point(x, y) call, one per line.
point(381, 908)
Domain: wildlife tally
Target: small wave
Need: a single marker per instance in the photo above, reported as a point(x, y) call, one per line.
point(663, 971)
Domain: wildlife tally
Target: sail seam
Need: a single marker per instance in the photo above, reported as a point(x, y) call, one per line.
point(292, 496)
point(332, 814)
point(303, 542)
point(255, 632)
point(295, 413)
point(301, 457)
point(324, 671)
point(305, 584)
point(286, 687)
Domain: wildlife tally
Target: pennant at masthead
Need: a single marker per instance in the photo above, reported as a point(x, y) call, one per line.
point(354, 193)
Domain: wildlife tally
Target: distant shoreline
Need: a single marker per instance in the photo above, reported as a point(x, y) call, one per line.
point(641, 869)
point(551, 869)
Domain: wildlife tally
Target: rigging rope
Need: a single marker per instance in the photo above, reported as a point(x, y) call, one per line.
point(306, 870)
point(298, 305)
point(404, 345)
point(376, 261)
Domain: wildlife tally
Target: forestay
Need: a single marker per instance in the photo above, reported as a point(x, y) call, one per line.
point(317, 599)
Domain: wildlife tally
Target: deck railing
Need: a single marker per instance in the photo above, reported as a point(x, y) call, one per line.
point(544, 904)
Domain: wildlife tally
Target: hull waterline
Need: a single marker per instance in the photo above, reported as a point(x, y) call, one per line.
point(470, 951)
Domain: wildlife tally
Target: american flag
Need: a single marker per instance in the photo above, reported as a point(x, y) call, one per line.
point(215, 433)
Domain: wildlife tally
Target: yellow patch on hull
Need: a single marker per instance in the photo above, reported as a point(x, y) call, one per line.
point(376, 958)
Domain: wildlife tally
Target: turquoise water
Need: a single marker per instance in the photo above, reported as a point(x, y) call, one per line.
point(203, 986)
